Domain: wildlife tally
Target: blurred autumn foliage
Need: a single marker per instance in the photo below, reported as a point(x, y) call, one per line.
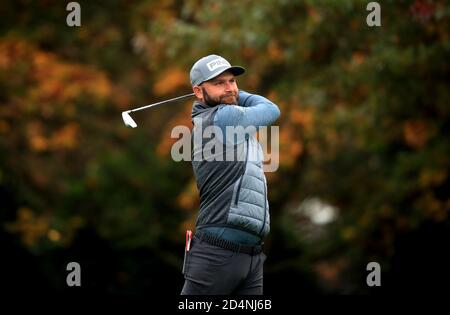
point(364, 139)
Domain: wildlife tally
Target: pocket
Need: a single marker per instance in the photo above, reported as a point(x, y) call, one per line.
point(186, 261)
point(218, 256)
point(205, 256)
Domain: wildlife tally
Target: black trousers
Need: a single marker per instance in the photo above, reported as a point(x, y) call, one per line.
point(212, 270)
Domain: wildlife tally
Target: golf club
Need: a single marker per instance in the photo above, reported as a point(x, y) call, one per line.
point(129, 122)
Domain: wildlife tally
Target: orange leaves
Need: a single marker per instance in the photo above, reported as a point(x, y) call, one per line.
point(102, 88)
point(432, 207)
point(252, 81)
point(34, 133)
point(44, 93)
point(4, 127)
point(291, 147)
point(188, 199)
point(302, 117)
point(66, 138)
point(354, 63)
point(30, 226)
point(432, 177)
point(62, 82)
point(50, 80)
point(274, 51)
point(248, 52)
point(416, 133)
point(358, 58)
point(170, 80)
point(331, 271)
point(39, 143)
point(314, 14)
point(290, 138)
point(183, 118)
point(299, 122)
point(11, 52)
point(34, 227)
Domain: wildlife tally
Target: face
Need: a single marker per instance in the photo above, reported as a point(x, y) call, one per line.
point(220, 90)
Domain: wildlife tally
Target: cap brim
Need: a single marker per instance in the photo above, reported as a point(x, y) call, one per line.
point(235, 70)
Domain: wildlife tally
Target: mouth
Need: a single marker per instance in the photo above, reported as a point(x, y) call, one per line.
point(229, 96)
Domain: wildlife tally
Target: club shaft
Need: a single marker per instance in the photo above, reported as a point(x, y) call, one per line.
point(162, 102)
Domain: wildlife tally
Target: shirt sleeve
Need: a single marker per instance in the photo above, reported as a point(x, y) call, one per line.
point(252, 112)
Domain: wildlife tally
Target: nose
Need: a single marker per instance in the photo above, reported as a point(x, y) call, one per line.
point(228, 87)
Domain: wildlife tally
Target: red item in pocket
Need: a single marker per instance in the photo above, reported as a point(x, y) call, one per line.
point(188, 239)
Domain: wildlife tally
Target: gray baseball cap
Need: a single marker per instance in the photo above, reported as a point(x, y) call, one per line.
point(210, 67)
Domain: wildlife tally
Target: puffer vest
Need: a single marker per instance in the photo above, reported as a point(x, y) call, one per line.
point(232, 193)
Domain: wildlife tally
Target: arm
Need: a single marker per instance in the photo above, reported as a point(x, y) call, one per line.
point(247, 100)
point(253, 110)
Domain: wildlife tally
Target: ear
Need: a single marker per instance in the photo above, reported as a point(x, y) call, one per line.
point(198, 92)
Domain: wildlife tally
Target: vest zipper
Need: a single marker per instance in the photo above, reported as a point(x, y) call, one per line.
point(242, 177)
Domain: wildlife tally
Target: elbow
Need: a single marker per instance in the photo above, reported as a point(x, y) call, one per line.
point(276, 112)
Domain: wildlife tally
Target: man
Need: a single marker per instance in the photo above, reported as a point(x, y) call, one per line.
point(225, 256)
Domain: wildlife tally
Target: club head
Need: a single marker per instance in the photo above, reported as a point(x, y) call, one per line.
point(129, 122)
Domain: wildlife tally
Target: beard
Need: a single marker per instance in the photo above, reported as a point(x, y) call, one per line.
point(230, 99)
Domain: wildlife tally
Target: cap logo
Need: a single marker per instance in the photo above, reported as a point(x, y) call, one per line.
point(217, 63)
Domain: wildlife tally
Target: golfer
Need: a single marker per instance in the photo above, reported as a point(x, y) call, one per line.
point(225, 256)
